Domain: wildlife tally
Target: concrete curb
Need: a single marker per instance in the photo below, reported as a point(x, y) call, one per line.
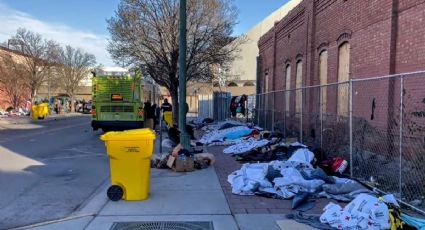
point(27, 120)
point(95, 202)
point(41, 224)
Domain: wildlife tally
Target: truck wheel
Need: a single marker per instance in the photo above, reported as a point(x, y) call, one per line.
point(115, 193)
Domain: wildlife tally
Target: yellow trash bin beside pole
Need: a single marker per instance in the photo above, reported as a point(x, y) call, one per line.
point(168, 117)
point(130, 158)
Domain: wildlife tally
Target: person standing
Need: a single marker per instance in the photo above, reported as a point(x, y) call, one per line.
point(166, 107)
point(167, 110)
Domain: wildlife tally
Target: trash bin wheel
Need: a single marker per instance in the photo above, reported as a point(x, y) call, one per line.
point(115, 193)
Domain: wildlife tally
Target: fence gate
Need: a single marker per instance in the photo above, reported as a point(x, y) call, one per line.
point(205, 105)
point(221, 105)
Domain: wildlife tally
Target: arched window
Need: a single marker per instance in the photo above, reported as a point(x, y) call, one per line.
point(216, 84)
point(248, 83)
point(232, 84)
point(287, 86)
point(298, 85)
point(343, 76)
point(323, 78)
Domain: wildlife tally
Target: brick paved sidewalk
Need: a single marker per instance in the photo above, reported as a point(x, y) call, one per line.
point(225, 165)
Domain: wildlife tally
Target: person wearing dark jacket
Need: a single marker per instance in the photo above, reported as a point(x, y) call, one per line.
point(166, 107)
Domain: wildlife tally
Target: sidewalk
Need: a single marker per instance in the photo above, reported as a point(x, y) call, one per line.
point(182, 197)
point(195, 196)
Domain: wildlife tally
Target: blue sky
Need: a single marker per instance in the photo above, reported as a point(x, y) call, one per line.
point(81, 23)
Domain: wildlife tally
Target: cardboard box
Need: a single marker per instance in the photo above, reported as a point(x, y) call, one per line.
point(181, 165)
point(170, 161)
point(184, 165)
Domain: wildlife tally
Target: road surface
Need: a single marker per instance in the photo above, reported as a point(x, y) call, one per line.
point(47, 170)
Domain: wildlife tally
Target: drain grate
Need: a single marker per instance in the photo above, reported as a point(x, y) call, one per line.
point(163, 225)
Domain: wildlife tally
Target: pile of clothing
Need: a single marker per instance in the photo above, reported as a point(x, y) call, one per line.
point(284, 179)
point(299, 177)
point(260, 149)
point(226, 133)
point(302, 178)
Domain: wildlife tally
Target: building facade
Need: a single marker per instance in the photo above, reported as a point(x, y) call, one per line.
point(323, 42)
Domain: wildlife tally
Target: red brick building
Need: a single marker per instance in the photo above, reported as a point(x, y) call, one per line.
point(328, 41)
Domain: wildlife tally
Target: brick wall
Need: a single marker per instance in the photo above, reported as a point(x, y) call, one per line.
point(385, 37)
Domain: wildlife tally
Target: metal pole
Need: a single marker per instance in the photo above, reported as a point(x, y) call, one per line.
point(257, 111)
point(160, 131)
point(350, 104)
point(301, 117)
point(284, 114)
point(321, 116)
point(273, 110)
point(266, 112)
point(401, 133)
point(184, 138)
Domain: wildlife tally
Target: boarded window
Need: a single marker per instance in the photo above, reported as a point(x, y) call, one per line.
point(343, 75)
point(298, 85)
point(323, 77)
point(287, 87)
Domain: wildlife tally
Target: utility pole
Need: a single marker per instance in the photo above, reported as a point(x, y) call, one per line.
point(184, 138)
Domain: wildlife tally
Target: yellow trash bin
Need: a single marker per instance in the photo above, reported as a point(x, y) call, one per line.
point(43, 110)
point(168, 118)
point(130, 162)
point(34, 112)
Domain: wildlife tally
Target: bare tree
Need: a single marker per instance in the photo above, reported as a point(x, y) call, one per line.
point(74, 65)
point(39, 56)
point(12, 80)
point(144, 33)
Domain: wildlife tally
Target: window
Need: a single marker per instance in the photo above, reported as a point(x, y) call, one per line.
point(343, 75)
point(298, 85)
point(216, 84)
point(248, 84)
point(323, 77)
point(232, 84)
point(287, 86)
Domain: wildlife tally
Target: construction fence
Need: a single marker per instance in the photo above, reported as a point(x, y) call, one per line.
point(376, 124)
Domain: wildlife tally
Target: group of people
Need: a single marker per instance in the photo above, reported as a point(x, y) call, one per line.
point(152, 112)
point(238, 104)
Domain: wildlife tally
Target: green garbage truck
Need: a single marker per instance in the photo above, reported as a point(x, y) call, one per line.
point(117, 100)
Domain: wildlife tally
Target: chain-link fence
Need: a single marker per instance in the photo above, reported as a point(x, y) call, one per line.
point(377, 124)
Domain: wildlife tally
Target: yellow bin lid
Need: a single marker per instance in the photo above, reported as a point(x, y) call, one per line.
point(129, 135)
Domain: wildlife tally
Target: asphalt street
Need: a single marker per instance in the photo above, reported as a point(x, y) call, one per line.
point(48, 169)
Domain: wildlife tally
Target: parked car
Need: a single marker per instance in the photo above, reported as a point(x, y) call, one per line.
point(3, 114)
point(87, 108)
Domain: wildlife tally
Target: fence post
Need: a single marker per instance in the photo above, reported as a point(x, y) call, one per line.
point(301, 114)
point(266, 113)
point(273, 110)
point(401, 134)
point(321, 115)
point(284, 114)
point(350, 105)
point(257, 110)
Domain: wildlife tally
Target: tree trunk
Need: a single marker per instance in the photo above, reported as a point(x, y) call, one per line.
point(72, 104)
point(175, 101)
point(33, 94)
